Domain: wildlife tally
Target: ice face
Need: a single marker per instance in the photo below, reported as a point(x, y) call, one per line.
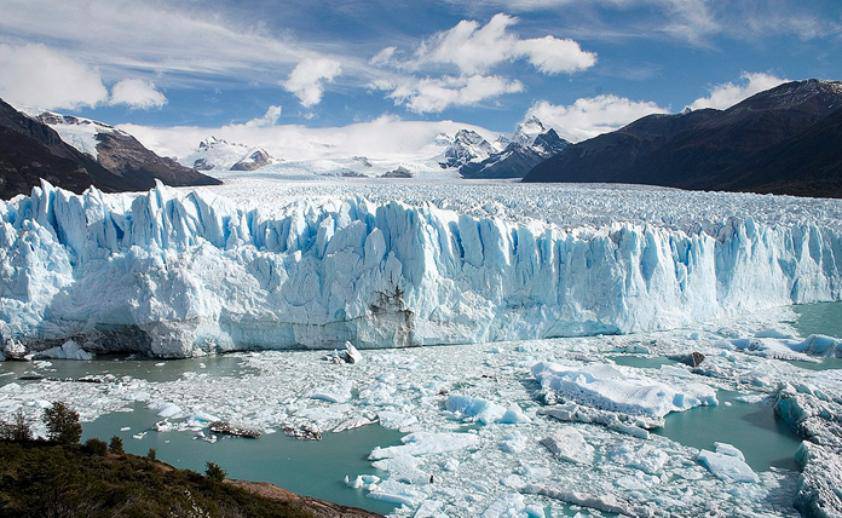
point(176, 273)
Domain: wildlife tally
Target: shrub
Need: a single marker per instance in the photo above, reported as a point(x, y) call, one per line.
point(63, 424)
point(96, 447)
point(116, 446)
point(152, 454)
point(17, 431)
point(214, 472)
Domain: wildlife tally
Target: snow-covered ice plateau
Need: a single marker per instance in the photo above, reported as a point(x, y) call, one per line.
point(261, 264)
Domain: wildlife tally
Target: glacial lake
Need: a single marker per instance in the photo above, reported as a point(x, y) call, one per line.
point(822, 319)
point(312, 468)
point(764, 439)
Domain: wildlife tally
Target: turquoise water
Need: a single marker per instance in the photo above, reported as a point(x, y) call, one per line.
point(823, 319)
point(313, 468)
point(752, 427)
point(150, 370)
point(642, 362)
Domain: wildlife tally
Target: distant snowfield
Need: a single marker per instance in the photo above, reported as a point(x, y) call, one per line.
point(267, 263)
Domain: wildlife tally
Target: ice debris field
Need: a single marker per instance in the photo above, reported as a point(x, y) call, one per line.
point(529, 293)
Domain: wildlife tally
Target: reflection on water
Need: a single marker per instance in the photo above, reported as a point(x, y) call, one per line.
point(752, 427)
point(313, 468)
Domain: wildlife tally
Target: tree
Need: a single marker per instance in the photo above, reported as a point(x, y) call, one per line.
point(116, 446)
point(152, 454)
point(63, 424)
point(214, 472)
point(96, 447)
point(17, 431)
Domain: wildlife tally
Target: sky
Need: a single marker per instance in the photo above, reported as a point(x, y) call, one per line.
point(264, 67)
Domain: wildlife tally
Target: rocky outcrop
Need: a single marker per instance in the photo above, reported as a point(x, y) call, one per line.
point(254, 160)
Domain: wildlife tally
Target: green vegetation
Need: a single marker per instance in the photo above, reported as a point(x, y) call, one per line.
point(96, 447)
point(61, 478)
point(63, 424)
point(214, 472)
point(17, 430)
point(116, 446)
point(48, 479)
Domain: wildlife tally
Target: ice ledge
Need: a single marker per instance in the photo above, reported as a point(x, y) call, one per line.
point(191, 272)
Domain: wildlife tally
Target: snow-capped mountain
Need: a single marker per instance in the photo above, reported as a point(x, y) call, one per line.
point(527, 131)
point(254, 160)
point(216, 154)
point(121, 154)
point(508, 157)
point(467, 146)
point(76, 153)
point(78, 132)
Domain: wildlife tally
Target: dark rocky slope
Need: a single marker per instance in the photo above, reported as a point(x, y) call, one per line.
point(30, 150)
point(785, 140)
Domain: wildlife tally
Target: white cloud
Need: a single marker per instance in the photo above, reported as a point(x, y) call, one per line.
point(383, 57)
point(590, 116)
point(38, 77)
point(552, 55)
point(725, 95)
point(307, 78)
point(386, 137)
point(137, 94)
point(270, 118)
point(475, 49)
point(433, 95)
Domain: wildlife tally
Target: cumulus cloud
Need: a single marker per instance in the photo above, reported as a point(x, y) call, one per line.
point(725, 95)
point(307, 79)
point(137, 94)
point(591, 116)
point(434, 95)
point(270, 118)
point(39, 77)
point(475, 49)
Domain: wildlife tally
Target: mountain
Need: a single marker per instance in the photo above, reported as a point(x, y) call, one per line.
point(30, 150)
point(467, 146)
point(782, 141)
point(530, 145)
point(221, 155)
point(254, 160)
point(77, 153)
point(134, 166)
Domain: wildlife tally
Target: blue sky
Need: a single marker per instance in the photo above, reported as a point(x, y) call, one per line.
point(586, 65)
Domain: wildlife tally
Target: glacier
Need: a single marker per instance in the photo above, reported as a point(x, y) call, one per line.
point(176, 273)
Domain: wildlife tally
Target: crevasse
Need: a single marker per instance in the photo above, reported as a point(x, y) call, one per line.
point(172, 273)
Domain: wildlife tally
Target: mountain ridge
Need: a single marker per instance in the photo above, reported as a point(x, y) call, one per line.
point(711, 149)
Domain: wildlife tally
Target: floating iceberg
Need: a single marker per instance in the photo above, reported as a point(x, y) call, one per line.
point(727, 463)
point(604, 387)
point(175, 273)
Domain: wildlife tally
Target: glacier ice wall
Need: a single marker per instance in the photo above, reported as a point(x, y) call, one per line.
point(171, 273)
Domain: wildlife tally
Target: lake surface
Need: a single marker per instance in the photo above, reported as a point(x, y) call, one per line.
point(822, 319)
point(752, 427)
point(145, 369)
point(313, 468)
